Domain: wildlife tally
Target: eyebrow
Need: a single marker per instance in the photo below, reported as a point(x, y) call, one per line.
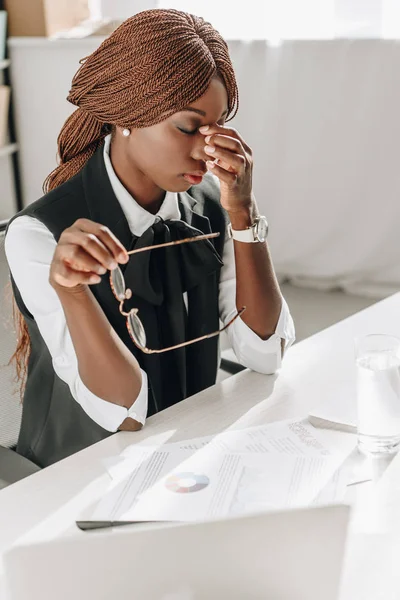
point(201, 112)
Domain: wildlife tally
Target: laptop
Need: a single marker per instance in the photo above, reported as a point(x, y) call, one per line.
point(289, 555)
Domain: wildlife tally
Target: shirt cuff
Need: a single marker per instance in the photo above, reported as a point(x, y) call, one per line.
point(109, 415)
point(138, 410)
point(285, 327)
point(263, 356)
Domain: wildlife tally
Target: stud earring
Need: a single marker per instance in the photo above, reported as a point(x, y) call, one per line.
point(126, 132)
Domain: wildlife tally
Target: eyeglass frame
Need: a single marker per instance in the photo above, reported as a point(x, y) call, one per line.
point(135, 311)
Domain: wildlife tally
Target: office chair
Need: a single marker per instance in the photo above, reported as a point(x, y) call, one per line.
point(13, 467)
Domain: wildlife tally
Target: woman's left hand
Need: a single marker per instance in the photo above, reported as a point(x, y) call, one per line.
point(231, 160)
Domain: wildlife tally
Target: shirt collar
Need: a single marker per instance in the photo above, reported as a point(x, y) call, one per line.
point(137, 217)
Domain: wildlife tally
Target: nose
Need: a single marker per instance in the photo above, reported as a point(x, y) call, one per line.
point(198, 152)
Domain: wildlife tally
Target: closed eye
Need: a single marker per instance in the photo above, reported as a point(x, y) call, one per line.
point(188, 132)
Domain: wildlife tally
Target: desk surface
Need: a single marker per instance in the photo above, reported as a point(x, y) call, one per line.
point(46, 504)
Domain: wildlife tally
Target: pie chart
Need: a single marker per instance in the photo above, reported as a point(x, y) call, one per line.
point(186, 483)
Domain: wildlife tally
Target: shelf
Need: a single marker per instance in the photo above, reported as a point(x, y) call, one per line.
point(4, 63)
point(9, 149)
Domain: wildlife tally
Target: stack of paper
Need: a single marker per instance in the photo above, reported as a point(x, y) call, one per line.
point(281, 465)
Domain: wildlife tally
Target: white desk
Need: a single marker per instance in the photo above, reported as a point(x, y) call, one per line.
point(47, 503)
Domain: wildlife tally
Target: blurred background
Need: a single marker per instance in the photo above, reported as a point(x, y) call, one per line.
point(319, 88)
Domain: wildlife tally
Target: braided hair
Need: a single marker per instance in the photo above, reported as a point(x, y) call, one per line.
point(153, 65)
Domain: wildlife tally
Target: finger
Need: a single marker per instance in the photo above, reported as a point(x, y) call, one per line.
point(73, 239)
point(222, 174)
point(104, 234)
point(78, 259)
point(227, 131)
point(224, 141)
point(235, 162)
point(65, 276)
point(113, 244)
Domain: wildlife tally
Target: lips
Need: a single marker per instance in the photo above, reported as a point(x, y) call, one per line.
point(193, 179)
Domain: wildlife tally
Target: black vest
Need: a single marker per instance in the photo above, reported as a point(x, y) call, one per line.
point(53, 424)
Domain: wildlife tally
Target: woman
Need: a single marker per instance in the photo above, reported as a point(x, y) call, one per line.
point(140, 163)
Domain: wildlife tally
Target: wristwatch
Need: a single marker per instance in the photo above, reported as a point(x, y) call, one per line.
point(257, 232)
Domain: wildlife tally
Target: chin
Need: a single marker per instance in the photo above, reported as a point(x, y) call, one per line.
point(178, 186)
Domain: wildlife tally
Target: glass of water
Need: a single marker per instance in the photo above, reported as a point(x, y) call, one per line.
point(378, 393)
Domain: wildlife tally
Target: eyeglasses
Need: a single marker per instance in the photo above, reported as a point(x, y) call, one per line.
point(133, 323)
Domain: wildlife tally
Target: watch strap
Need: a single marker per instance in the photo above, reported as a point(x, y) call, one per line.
point(242, 235)
point(257, 232)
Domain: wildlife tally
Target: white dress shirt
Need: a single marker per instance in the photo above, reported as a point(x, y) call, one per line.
point(29, 248)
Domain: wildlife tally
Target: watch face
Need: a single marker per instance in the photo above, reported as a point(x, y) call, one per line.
point(262, 229)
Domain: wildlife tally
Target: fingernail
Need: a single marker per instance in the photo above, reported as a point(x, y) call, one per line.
point(101, 270)
point(123, 257)
point(207, 139)
point(113, 265)
point(209, 149)
point(210, 164)
point(94, 279)
point(204, 128)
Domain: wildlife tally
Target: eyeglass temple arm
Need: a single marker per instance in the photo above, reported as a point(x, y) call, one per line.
point(199, 339)
point(197, 238)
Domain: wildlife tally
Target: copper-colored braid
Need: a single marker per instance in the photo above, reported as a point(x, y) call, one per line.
point(155, 64)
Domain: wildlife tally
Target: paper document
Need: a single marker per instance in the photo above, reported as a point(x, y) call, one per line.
point(275, 466)
point(295, 437)
point(175, 484)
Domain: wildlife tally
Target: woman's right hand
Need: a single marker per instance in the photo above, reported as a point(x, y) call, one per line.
point(85, 251)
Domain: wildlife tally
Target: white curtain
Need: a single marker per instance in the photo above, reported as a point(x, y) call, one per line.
point(323, 120)
point(296, 19)
point(324, 124)
point(276, 19)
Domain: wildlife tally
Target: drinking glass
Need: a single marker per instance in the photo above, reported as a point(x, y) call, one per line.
point(378, 393)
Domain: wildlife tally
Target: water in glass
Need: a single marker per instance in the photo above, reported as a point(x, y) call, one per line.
point(378, 391)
